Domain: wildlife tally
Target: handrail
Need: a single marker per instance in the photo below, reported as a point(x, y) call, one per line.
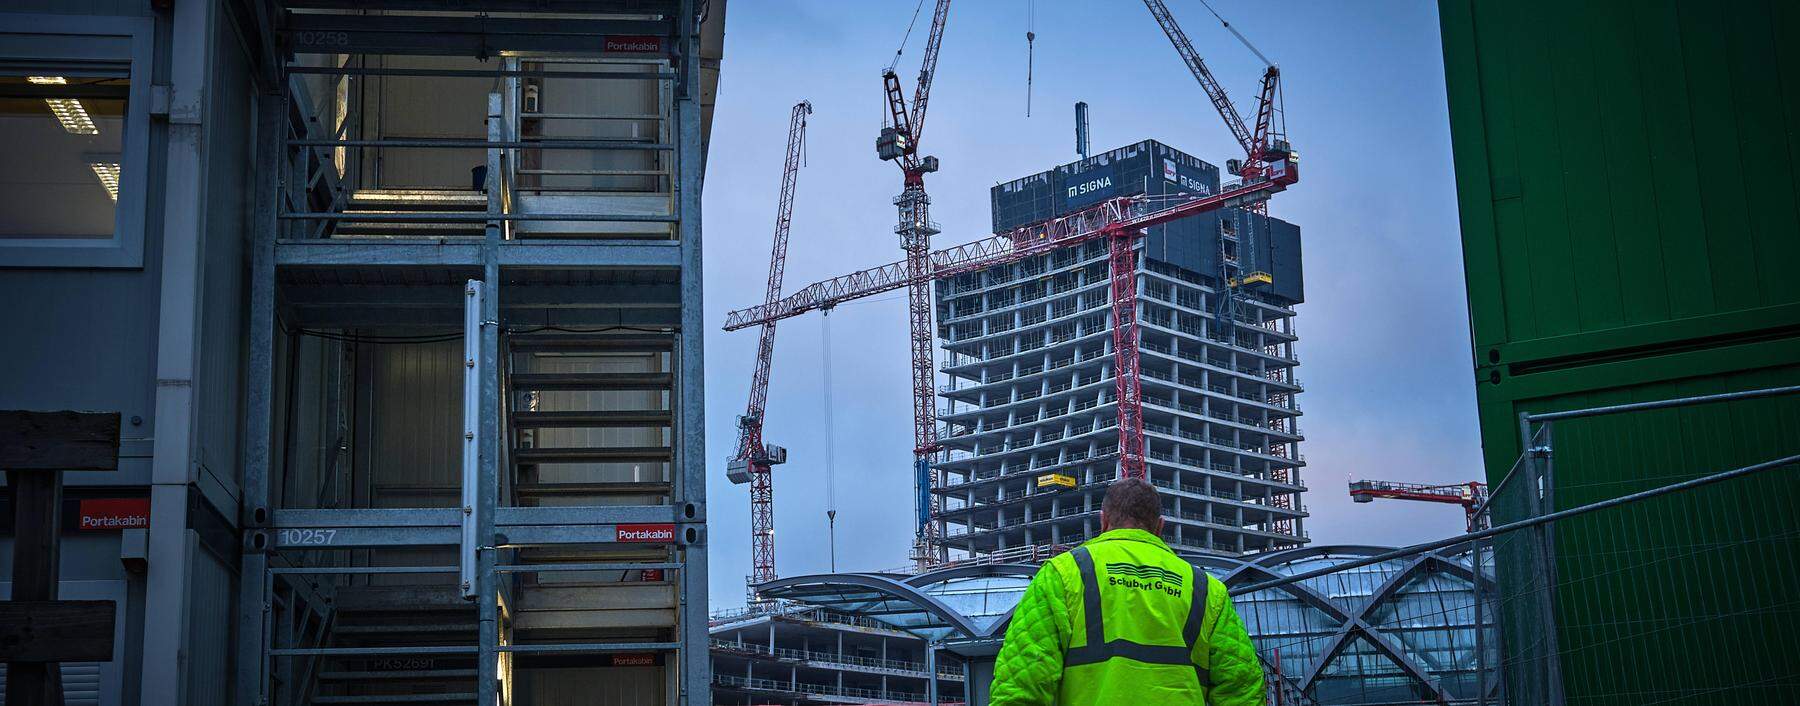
point(945, 670)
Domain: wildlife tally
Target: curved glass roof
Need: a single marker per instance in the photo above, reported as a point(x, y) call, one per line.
point(964, 602)
point(1395, 631)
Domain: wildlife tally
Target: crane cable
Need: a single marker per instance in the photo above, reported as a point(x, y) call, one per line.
point(907, 36)
point(1235, 33)
point(1030, 47)
point(830, 445)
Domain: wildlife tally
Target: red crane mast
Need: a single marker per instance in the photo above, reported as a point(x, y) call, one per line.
point(899, 143)
point(754, 460)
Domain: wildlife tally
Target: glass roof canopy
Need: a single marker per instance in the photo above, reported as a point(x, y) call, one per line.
point(1403, 628)
point(964, 603)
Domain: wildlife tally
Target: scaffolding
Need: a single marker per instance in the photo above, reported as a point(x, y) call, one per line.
point(509, 194)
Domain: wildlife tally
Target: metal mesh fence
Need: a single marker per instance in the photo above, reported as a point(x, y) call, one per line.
point(1640, 555)
point(1689, 597)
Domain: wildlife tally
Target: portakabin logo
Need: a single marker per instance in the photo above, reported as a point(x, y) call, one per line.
point(633, 43)
point(647, 533)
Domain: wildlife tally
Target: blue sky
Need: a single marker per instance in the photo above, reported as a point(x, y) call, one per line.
point(1384, 345)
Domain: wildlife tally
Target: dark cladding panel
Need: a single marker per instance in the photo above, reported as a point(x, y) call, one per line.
point(1284, 261)
point(1191, 243)
point(1024, 201)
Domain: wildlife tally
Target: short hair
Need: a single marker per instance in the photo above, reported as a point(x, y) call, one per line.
point(1132, 502)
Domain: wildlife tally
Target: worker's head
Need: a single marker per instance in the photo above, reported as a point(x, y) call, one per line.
point(1131, 503)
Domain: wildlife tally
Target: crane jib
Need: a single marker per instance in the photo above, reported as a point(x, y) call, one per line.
point(1022, 242)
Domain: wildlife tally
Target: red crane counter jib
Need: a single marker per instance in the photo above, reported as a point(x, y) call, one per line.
point(754, 459)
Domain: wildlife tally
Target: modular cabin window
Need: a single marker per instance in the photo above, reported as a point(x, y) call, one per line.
point(73, 123)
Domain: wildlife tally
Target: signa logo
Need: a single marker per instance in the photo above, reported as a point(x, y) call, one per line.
point(1089, 187)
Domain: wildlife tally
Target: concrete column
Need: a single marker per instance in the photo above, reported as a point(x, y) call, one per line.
point(931, 681)
point(978, 676)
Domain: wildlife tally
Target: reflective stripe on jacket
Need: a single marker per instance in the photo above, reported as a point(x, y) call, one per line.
point(1122, 620)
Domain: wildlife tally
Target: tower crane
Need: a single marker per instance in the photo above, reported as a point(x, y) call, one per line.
point(898, 142)
point(1263, 143)
point(754, 460)
point(1260, 146)
point(1469, 495)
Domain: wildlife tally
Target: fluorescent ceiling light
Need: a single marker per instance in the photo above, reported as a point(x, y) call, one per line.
point(108, 172)
point(68, 111)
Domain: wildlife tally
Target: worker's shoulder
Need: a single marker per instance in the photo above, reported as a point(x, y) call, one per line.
point(1059, 565)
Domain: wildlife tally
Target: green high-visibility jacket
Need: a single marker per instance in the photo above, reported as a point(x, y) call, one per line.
point(1122, 620)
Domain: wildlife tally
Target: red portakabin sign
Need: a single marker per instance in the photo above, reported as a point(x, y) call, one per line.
point(632, 43)
point(634, 659)
point(115, 514)
point(664, 532)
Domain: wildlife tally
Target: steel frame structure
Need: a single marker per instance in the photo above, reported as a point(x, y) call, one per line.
point(481, 528)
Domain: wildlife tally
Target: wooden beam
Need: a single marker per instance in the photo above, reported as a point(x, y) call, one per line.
point(37, 631)
point(56, 631)
point(37, 527)
point(59, 441)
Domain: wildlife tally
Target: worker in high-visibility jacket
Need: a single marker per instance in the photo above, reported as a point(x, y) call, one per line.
point(1122, 620)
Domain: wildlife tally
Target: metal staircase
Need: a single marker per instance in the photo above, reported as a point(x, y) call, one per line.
point(387, 617)
point(382, 204)
point(549, 540)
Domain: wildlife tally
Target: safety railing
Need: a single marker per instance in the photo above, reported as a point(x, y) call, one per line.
point(545, 167)
point(946, 671)
point(889, 696)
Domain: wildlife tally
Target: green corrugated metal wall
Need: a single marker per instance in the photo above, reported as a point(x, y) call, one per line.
point(1630, 200)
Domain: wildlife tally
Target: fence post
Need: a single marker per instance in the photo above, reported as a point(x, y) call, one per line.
point(1541, 499)
point(1481, 666)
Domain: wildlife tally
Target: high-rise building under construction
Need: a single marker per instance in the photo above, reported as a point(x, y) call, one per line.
point(1032, 431)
